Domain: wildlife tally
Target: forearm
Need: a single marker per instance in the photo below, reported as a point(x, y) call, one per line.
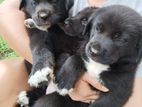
point(12, 28)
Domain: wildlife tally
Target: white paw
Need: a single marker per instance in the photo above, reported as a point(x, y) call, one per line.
point(63, 91)
point(39, 76)
point(23, 100)
point(29, 23)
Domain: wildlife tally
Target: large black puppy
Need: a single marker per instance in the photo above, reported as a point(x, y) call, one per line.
point(112, 55)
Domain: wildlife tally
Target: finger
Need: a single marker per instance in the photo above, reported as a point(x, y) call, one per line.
point(94, 83)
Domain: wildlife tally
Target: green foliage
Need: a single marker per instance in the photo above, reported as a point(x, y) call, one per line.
point(5, 51)
point(1, 1)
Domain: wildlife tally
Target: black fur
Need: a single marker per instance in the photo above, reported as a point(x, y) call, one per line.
point(28, 66)
point(47, 46)
point(117, 38)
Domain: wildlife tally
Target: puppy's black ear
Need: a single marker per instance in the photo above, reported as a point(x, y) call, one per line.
point(22, 4)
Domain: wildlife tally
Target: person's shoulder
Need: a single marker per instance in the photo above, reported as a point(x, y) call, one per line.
point(79, 5)
point(134, 4)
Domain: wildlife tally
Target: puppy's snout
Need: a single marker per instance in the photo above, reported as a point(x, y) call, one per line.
point(95, 48)
point(44, 14)
point(68, 22)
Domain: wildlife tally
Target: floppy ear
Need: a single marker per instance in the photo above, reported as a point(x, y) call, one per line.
point(22, 4)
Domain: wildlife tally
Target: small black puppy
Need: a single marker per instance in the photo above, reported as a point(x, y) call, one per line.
point(111, 55)
point(78, 22)
point(44, 15)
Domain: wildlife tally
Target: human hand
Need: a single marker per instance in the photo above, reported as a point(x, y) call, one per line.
point(82, 91)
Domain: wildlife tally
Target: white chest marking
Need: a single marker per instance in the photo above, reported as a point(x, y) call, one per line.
point(95, 69)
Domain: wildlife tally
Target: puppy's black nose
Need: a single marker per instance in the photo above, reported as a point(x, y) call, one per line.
point(95, 48)
point(67, 21)
point(43, 14)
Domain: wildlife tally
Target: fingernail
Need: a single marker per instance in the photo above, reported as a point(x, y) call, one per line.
point(105, 89)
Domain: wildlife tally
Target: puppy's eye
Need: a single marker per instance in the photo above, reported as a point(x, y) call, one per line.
point(34, 2)
point(116, 35)
point(100, 28)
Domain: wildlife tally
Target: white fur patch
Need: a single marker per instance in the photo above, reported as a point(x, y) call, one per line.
point(63, 91)
point(23, 100)
point(40, 76)
point(29, 23)
point(95, 69)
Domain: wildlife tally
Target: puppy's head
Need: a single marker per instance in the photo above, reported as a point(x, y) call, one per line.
point(74, 26)
point(115, 34)
point(45, 13)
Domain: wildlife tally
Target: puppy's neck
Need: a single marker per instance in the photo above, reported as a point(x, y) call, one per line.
point(95, 69)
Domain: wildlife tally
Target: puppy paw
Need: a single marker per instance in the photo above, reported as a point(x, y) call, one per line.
point(39, 77)
point(64, 83)
point(23, 100)
point(64, 91)
point(29, 23)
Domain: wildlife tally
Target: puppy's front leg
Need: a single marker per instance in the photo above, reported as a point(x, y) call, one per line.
point(43, 59)
point(28, 98)
point(68, 74)
point(42, 68)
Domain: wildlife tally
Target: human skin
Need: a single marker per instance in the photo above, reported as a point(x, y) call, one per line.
point(13, 79)
point(13, 30)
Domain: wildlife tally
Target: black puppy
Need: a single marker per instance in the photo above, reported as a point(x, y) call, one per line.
point(78, 22)
point(43, 15)
point(111, 55)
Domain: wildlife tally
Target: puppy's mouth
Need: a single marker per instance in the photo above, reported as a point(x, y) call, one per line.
point(69, 31)
point(30, 23)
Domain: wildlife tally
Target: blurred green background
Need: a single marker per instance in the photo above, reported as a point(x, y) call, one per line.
point(1, 1)
point(5, 50)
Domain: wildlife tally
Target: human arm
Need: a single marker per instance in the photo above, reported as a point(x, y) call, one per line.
point(12, 28)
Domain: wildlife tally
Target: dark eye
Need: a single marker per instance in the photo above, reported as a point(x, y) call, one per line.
point(100, 28)
point(116, 35)
point(84, 21)
point(34, 2)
